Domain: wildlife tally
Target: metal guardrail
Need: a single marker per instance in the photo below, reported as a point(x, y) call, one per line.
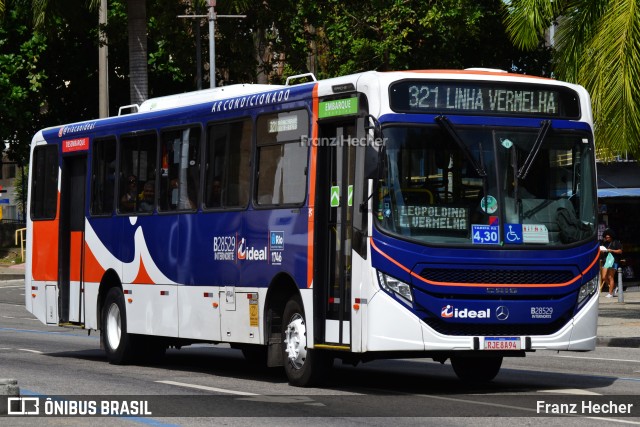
point(21, 231)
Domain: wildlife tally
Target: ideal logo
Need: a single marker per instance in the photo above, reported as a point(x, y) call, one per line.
point(251, 253)
point(449, 311)
point(242, 249)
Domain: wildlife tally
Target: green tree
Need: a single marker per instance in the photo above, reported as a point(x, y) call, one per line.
point(21, 82)
point(46, 76)
point(597, 45)
point(336, 37)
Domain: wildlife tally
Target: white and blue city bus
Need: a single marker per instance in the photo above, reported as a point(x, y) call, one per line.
point(436, 214)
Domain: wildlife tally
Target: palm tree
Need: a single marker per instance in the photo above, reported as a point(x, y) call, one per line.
point(137, 30)
point(598, 46)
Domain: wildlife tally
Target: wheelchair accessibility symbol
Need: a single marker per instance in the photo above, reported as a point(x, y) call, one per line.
point(513, 234)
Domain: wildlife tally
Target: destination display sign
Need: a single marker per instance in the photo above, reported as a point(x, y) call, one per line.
point(483, 98)
point(282, 124)
point(434, 217)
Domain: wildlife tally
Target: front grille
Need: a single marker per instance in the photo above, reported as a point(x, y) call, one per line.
point(479, 329)
point(515, 277)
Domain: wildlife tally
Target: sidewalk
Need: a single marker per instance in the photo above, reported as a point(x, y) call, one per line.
point(11, 271)
point(618, 323)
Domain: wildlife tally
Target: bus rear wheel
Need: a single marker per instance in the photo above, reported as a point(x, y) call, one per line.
point(303, 366)
point(117, 343)
point(476, 369)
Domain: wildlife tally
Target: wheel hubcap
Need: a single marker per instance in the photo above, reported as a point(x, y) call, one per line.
point(295, 341)
point(113, 326)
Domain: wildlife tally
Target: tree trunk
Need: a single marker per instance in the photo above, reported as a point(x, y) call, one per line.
point(137, 27)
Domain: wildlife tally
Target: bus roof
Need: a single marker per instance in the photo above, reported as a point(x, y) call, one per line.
point(202, 96)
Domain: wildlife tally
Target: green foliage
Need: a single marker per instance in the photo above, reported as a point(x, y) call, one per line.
point(597, 46)
point(350, 37)
point(49, 72)
point(22, 78)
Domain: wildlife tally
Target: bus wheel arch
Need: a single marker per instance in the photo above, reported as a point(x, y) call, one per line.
point(281, 289)
point(304, 366)
point(109, 280)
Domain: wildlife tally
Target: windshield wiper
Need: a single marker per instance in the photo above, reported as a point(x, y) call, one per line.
point(542, 133)
point(446, 124)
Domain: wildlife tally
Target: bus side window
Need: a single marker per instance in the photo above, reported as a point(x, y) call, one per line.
point(103, 177)
point(282, 158)
point(44, 185)
point(228, 154)
point(179, 169)
point(137, 166)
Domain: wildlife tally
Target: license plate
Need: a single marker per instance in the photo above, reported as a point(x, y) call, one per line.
point(502, 343)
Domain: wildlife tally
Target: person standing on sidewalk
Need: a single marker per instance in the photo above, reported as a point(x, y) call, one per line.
point(610, 245)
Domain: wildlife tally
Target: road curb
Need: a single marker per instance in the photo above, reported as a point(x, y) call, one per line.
point(10, 276)
point(9, 387)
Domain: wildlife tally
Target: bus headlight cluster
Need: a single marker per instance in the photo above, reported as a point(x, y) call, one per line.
point(393, 285)
point(588, 289)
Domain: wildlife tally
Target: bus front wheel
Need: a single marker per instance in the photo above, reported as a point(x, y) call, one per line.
point(117, 343)
point(476, 369)
point(303, 366)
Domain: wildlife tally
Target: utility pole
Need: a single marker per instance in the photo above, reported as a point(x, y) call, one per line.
point(212, 16)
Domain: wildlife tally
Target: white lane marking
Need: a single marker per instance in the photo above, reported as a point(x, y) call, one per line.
point(597, 358)
point(12, 287)
point(19, 318)
point(206, 388)
point(30, 351)
point(574, 391)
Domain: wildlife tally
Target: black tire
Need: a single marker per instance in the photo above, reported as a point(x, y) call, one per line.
point(476, 369)
point(303, 366)
point(118, 344)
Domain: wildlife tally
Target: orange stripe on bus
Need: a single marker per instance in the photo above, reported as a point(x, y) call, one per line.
point(75, 251)
point(45, 250)
point(143, 277)
point(313, 155)
point(473, 285)
point(373, 245)
point(93, 271)
point(44, 255)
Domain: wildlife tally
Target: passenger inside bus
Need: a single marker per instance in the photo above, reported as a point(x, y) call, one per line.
point(148, 196)
point(215, 198)
point(128, 199)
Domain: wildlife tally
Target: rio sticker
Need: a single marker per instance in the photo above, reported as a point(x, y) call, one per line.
point(276, 247)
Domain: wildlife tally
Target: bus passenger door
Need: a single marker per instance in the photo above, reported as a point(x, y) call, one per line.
point(72, 208)
point(333, 234)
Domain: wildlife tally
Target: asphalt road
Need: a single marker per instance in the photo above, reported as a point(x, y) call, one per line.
point(215, 385)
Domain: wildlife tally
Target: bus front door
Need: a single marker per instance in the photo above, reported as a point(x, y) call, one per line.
point(333, 216)
point(72, 208)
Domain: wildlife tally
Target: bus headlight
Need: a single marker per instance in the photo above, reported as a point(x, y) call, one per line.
point(588, 289)
point(393, 285)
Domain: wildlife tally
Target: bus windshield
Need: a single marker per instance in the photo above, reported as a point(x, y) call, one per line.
point(458, 185)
